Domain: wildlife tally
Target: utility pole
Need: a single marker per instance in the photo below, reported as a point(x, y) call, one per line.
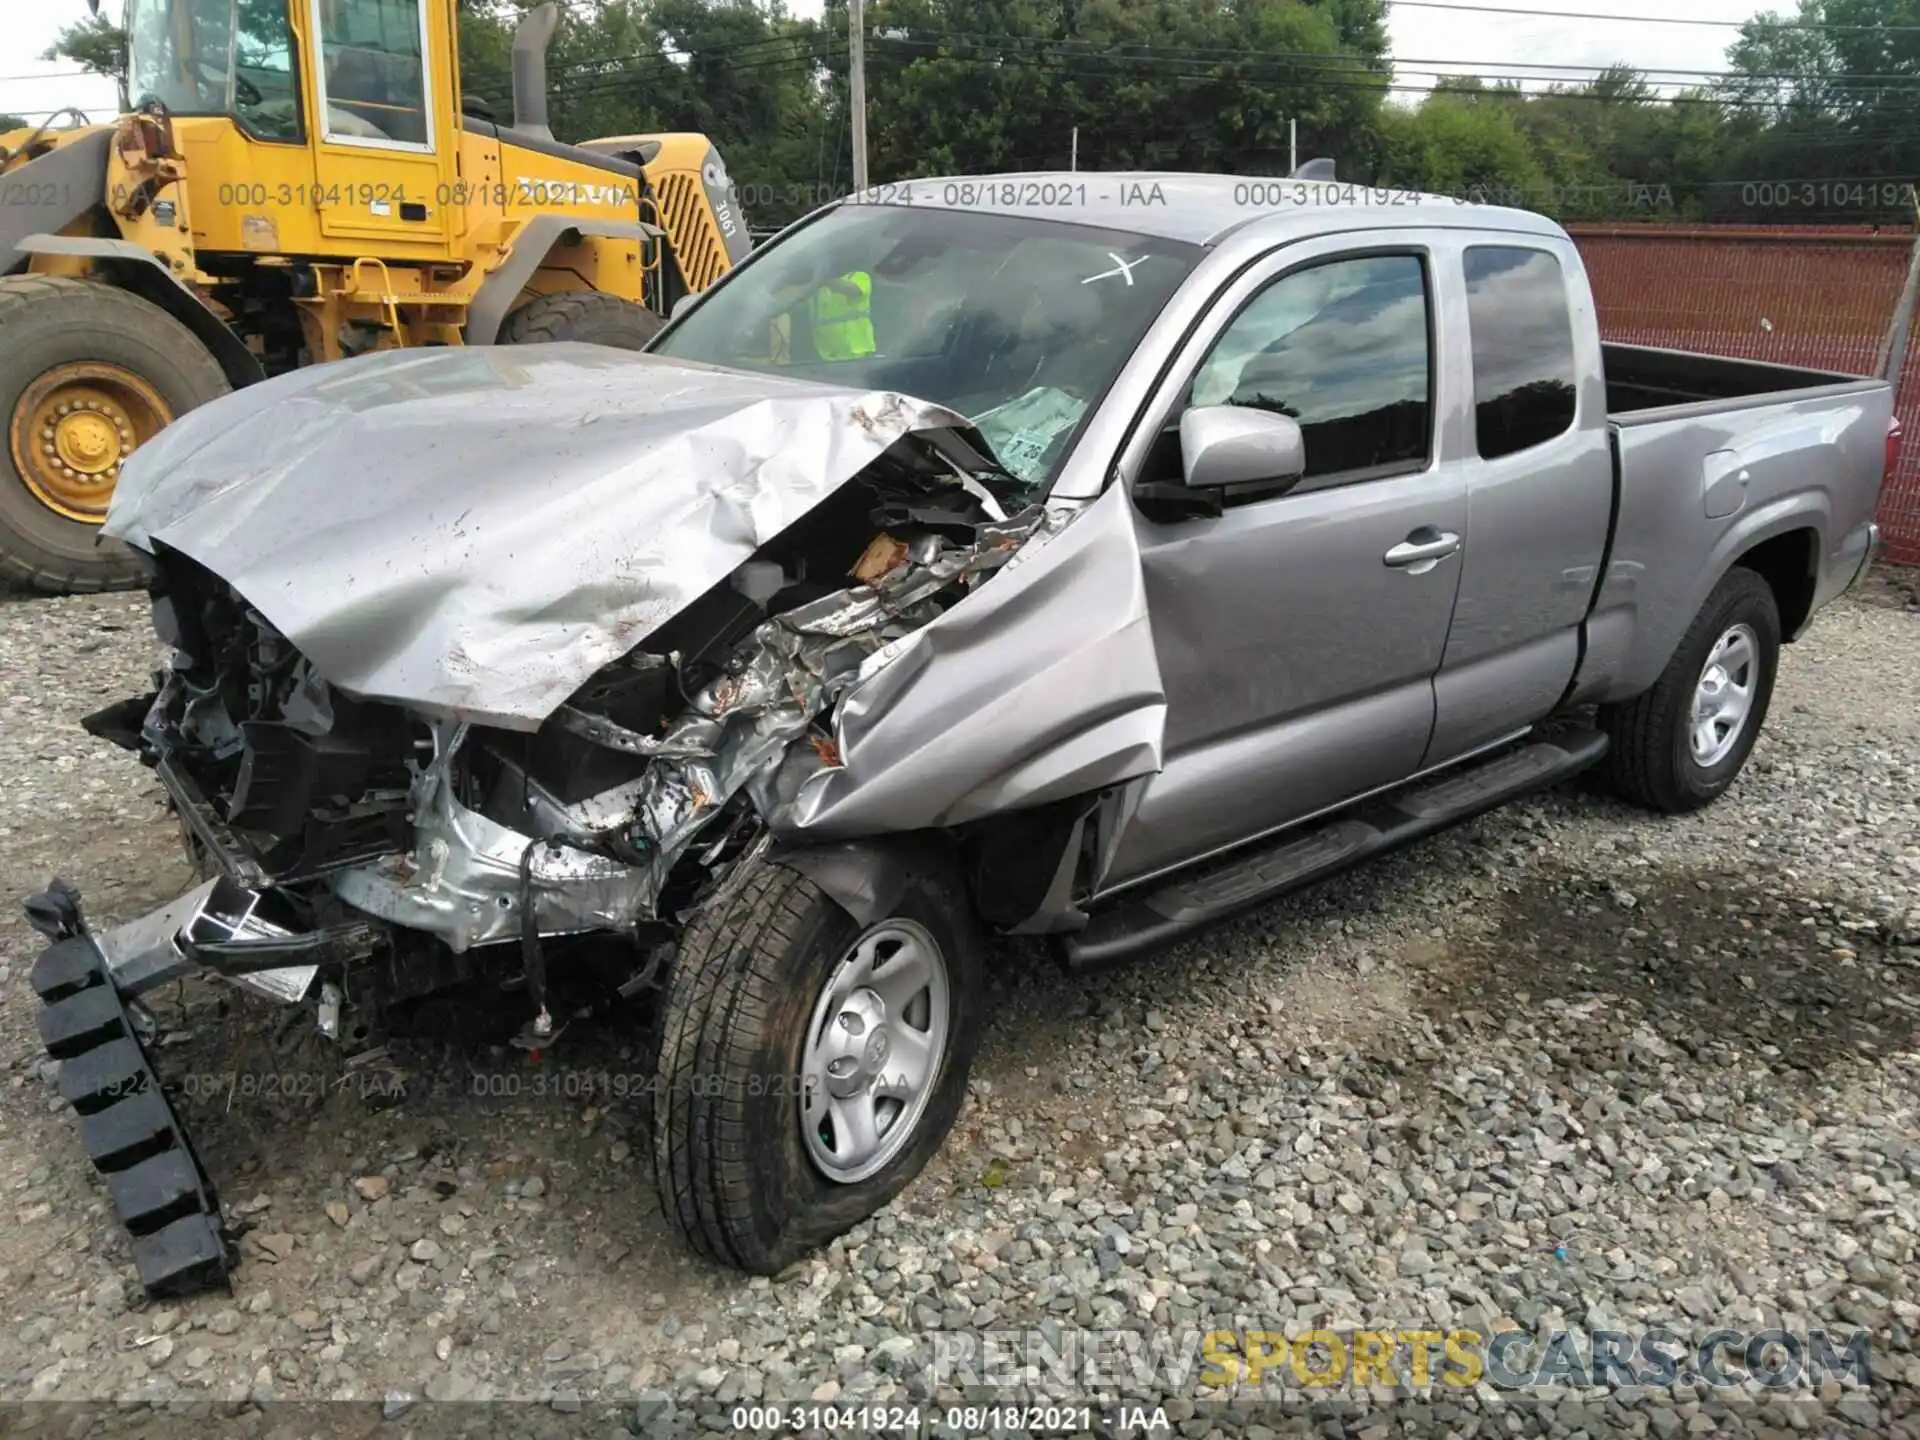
point(1893, 349)
point(1293, 146)
point(857, 85)
point(1073, 162)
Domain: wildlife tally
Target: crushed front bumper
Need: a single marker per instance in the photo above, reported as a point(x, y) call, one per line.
point(159, 1189)
point(89, 984)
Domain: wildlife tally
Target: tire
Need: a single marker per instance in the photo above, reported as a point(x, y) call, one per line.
point(588, 315)
point(1654, 761)
point(49, 322)
point(735, 1175)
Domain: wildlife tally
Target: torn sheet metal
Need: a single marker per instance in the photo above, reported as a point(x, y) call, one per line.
point(1043, 685)
point(477, 531)
point(790, 670)
point(462, 880)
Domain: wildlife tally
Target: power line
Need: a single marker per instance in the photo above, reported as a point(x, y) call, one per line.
point(1323, 68)
point(1147, 50)
point(1347, 80)
point(487, 74)
point(1659, 19)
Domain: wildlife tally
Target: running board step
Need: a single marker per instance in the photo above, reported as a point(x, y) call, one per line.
point(1251, 877)
point(159, 1189)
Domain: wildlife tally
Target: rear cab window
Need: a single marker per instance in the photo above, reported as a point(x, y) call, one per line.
point(1524, 390)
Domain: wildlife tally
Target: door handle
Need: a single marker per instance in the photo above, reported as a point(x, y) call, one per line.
point(1419, 556)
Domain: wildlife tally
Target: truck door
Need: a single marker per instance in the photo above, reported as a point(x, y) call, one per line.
point(383, 130)
point(1539, 479)
point(1298, 635)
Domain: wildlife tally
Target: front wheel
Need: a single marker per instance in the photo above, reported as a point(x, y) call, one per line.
point(1679, 745)
point(808, 1065)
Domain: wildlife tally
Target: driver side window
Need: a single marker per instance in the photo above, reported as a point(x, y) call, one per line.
point(373, 62)
point(1343, 348)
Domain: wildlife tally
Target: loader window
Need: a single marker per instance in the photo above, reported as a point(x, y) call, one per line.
point(373, 72)
point(216, 57)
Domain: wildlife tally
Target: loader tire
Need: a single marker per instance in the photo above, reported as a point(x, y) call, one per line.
point(124, 369)
point(589, 315)
point(749, 1162)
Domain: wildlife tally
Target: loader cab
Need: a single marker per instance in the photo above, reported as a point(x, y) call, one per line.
point(340, 125)
point(367, 66)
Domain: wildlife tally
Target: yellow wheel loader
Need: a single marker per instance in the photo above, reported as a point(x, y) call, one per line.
point(299, 181)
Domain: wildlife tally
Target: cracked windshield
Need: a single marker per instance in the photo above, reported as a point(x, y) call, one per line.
point(1019, 324)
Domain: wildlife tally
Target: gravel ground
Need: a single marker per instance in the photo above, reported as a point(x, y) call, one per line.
point(1566, 1066)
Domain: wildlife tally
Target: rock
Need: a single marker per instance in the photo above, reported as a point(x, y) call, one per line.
point(224, 1322)
point(371, 1188)
point(533, 1187)
point(337, 1212)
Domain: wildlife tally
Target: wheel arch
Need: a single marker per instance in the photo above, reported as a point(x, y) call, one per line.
point(125, 266)
point(1790, 564)
point(504, 289)
point(867, 877)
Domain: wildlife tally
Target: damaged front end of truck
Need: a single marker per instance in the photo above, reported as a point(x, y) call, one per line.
point(463, 691)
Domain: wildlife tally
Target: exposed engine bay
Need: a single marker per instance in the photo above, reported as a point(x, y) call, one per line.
point(504, 681)
point(475, 844)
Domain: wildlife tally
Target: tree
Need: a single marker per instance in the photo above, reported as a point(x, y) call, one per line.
point(1467, 142)
point(13, 122)
point(95, 44)
point(1838, 93)
point(971, 85)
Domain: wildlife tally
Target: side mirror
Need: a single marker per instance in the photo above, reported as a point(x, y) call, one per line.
point(681, 306)
point(1244, 454)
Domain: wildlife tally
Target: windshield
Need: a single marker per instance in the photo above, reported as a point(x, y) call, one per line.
point(215, 57)
point(1019, 324)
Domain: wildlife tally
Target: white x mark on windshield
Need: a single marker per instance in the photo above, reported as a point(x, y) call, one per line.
point(1122, 268)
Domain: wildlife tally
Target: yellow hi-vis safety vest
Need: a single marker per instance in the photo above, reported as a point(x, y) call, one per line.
point(843, 323)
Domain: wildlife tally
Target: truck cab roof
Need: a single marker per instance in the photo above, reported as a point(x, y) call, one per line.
point(1200, 208)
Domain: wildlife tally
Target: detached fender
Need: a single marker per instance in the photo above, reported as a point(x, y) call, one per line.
point(867, 877)
point(133, 269)
point(497, 293)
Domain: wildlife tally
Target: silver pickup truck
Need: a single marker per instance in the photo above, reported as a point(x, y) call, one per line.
point(1082, 556)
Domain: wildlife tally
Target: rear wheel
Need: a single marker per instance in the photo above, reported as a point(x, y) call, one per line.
point(1679, 745)
point(588, 315)
point(88, 374)
point(808, 1065)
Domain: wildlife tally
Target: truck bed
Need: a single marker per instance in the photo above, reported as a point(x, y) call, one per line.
point(1712, 457)
point(1642, 379)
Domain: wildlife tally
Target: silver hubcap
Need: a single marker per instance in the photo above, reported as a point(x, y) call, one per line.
point(1723, 698)
point(873, 1050)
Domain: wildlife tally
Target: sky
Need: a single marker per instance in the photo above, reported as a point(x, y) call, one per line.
point(1425, 42)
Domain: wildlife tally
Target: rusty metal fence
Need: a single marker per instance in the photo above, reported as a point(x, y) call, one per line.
point(1824, 298)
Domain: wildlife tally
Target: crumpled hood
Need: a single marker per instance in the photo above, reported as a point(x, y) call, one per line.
point(479, 530)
